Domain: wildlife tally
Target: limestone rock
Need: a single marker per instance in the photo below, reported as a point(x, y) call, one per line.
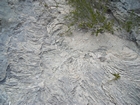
point(47, 68)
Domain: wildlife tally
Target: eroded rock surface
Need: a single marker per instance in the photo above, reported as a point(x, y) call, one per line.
point(41, 65)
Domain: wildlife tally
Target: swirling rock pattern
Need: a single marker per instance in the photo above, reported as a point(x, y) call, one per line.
point(38, 66)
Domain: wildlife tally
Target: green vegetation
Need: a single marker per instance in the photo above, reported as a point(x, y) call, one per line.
point(92, 15)
point(117, 76)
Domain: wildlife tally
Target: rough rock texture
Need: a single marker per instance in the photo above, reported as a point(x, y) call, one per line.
point(131, 4)
point(41, 65)
point(123, 8)
point(127, 4)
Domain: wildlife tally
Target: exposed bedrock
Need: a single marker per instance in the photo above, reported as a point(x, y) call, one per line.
point(40, 64)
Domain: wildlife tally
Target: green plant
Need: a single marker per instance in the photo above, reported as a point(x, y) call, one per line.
point(116, 75)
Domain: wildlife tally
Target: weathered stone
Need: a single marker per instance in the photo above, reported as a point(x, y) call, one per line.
point(3, 67)
point(102, 59)
point(44, 68)
point(3, 98)
point(131, 4)
point(138, 43)
point(126, 5)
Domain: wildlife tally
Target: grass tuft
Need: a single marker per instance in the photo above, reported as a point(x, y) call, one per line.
point(117, 76)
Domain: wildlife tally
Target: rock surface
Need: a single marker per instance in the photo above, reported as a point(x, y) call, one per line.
point(131, 4)
point(122, 9)
point(41, 65)
point(127, 4)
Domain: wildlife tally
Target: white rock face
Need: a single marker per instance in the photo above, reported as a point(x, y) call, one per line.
point(44, 66)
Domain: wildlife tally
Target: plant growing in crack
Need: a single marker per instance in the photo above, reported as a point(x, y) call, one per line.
point(116, 75)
